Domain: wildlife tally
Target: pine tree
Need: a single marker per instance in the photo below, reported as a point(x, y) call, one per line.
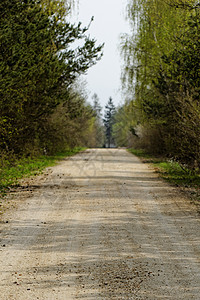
point(99, 130)
point(96, 106)
point(109, 121)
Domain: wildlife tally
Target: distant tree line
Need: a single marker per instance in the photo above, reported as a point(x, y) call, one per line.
point(40, 104)
point(161, 80)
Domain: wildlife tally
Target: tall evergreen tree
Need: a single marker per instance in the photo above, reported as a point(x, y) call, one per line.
point(109, 121)
point(98, 121)
point(96, 106)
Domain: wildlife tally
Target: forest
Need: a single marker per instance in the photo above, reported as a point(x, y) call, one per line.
point(161, 80)
point(43, 106)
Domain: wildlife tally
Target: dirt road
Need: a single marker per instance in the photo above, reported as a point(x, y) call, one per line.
point(100, 225)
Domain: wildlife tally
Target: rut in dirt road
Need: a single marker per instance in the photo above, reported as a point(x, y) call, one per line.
point(100, 225)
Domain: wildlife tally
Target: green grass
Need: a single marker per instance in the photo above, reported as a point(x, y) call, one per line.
point(140, 153)
point(170, 170)
point(26, 167)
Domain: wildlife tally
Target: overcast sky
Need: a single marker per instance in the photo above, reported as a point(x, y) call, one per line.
point(109, 22)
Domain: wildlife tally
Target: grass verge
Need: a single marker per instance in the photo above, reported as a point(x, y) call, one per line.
point(26, 167)
point(170, 170)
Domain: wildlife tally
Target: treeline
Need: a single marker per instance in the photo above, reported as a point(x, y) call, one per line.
point(41, 108)
point(161, 80)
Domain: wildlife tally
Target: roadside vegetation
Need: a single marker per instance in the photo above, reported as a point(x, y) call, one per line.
point(172, 171)
point(161, 83)
point(12, 172)
point(43, 107)
point(43, 103)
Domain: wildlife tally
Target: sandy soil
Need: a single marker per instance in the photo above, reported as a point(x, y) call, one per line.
point(100, 225)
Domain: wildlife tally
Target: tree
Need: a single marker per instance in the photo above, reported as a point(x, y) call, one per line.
point(96, 106)
point(99, 134)
point(71, 124)
point(109, 121)
point(124, 132)
point(161, 75)
point(37, 66)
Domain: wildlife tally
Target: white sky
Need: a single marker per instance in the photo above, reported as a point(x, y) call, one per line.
point(109, 22)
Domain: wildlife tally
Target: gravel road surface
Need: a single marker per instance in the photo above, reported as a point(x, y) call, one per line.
point(99, 225)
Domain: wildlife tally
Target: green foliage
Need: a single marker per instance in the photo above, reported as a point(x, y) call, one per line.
point(38, 65)
point(124, 132)
point(140, 153)
point(161, 76)
point(68, 124)
point(42, 109)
